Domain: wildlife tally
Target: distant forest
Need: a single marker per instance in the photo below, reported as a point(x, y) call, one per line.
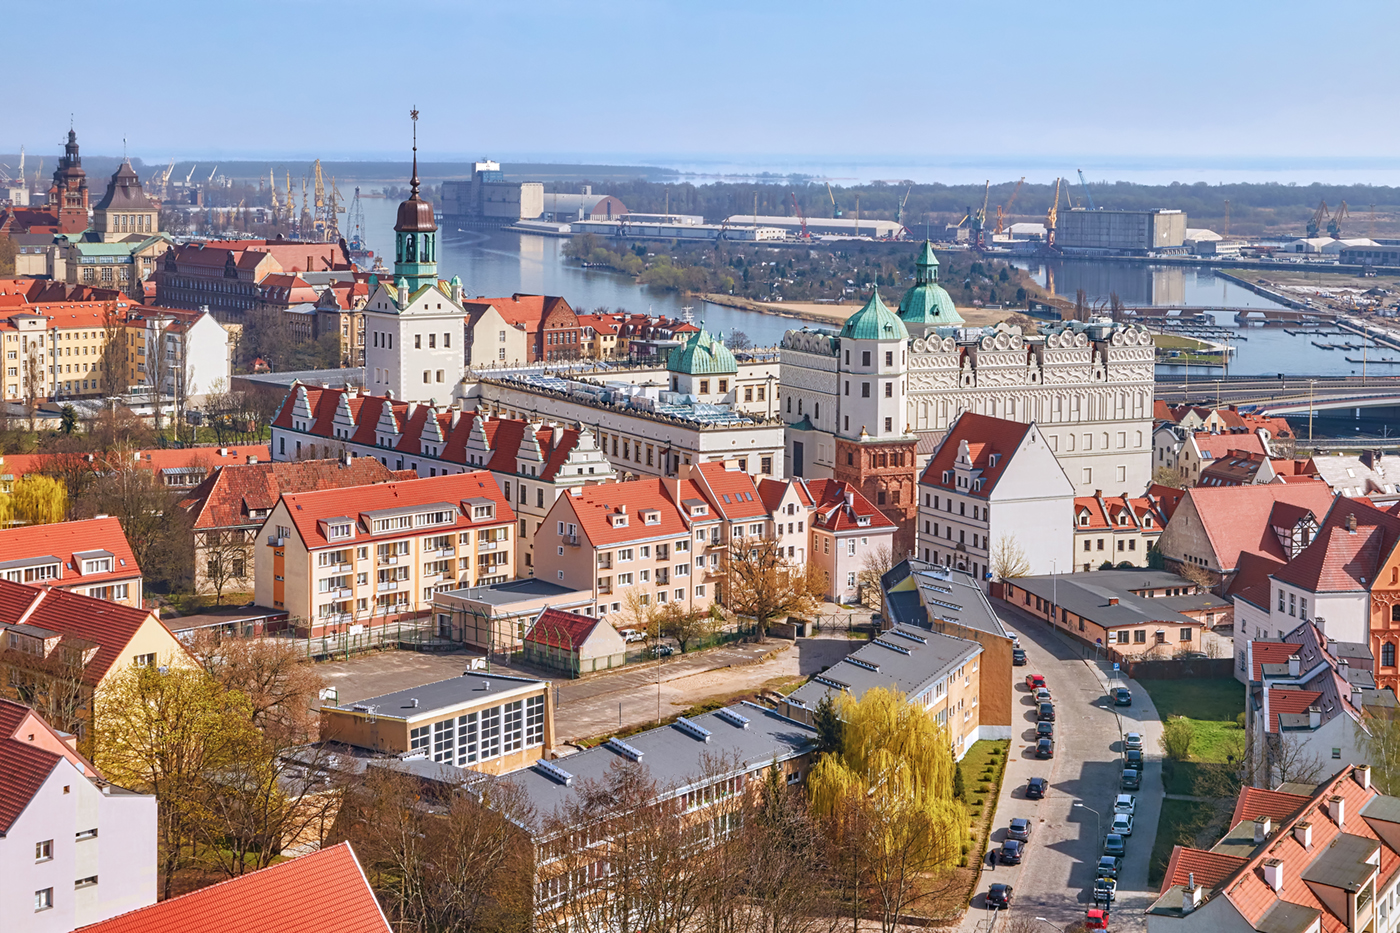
point(1254, 208)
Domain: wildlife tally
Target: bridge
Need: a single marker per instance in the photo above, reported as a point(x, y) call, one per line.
point(1285, 394)
point(1150, 314)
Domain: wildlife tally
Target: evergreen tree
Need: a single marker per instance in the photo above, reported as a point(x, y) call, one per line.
point(959, 788)
point(830, 729)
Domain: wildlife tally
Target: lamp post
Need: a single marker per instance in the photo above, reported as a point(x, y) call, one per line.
point(1052, 925)
point(1098, 820)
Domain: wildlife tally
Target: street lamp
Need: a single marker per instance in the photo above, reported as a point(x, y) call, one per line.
point(1098, 819)
point(1043, 920)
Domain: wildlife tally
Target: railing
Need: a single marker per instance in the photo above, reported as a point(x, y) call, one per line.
point(388, 558)
point(571, 540)
point(386, 587)
point(605, 562)
point(487, 546)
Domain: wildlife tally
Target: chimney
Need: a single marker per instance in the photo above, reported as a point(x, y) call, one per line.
point(252, 459)
point(456, 416)
point(1190, 895)
point(1362, 775)
point(1113, 600)
point(1336, 809)
point(1351, 524)
point(1273, 874)
point(1331, 642)
point(1314, 717)
point(1262, 827)
point(1356, 696)
point(1303, 833)
point(1295, 666)
point(347, 457)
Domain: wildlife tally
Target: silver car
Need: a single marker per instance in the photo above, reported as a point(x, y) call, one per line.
point(1123, 824)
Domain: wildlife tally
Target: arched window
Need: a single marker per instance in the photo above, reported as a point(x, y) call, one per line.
point(1395, 613)
point(1387, 655)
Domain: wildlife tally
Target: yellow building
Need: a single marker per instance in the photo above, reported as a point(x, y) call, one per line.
point(336, 559)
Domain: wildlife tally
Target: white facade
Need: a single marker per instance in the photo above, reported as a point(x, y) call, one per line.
point(413, 343)
point(88, 851)
point(1344, 616)
point(1089, 387)
point(198, 353)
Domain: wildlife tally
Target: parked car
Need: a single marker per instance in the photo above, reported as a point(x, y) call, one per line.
point(1034, 680)
point(1131, 779)
point(1125, 803)
point(1011, 851)
point(1018, 657)
point(1132, 740)
point(1095, 919)
point(1114, 844)
point(999, 897)
point(1045, 729)
point(1105, 891)
point(1046, 712)
point(1019, 829)
point(1123, 824)
point(1122, 697)
point(1132, 758)
point(1045, 748)
point(662, 651)
point(1042, 695)
point(632, 635)
point(1035, 788)
point(1108, 867)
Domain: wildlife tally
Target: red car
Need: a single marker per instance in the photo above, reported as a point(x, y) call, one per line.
point(1035, 680)
point(1096, 919)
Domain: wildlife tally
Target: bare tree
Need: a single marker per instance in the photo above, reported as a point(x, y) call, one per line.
point(281, 686)
point(226, 559)
point(54, 685)
point(34, 385)
point(1009, 559)
point(878, 562)
point(112, 366)
point(763, 585)
point(1382, 745)
point(684, 624)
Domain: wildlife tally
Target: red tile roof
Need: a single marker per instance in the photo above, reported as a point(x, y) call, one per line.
point(1289, 702)
point(16, 465)
point(1340, 559)
point(526, 311)
point(1208, 868)
point(1269, 652)
point(1255, 802)
point(307, 509)
point(555, 628)
point(984, 437)
point(1213, 446)
point(1166, 497)
point(64, 539)
point(1105, 517)
point(1238, 519)
point(325, 891)
point(228, 498)
point(23, 770)
point(731, 491)
point(596, 507)
point(834, 514)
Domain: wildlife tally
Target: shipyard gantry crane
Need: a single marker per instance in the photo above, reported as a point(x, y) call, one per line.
point(835, 211)
point(1334, 226)
point(1004, 211)
point(979, 219)
point(333, 199)
point(899, 215)
point(318, 221)
point(800, 216)
point(1052, 216)
point(1319, 217)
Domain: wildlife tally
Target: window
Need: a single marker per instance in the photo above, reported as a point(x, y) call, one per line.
point(889, 357)
point(865, 358)
point(87, 882)
point(1140, 636)
point(851, 548)
point(144, 660)
point(444, 735)
point(43, 899)
point(1336, 753)
point(43, 851)
point(467, 738)
point(514, 732)
point(534, 721)
point(1388, 655)
point(1122, 638)
point(491, 733)
point(418, 739)
point(865, 390)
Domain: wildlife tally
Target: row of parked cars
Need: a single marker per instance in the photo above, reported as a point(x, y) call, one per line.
point(1115, 842)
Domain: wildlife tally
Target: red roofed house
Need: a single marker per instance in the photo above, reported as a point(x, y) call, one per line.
point(991, 485)
point(576, 644)
point(534, 462)
point(1115, 529)
point(521, 329)
point(848, 531)
point(326, 891)
point(1214, 527)
point(230, 506)
point(1244, 468)
point(335, 559)
point(1317, 858)
point(74, 850)
point(91, 557)
point(225, 276)
point(183, 467)
point(57, 647)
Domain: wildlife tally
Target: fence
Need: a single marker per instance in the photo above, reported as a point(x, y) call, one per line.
point(1179, 668)
point(415, 633)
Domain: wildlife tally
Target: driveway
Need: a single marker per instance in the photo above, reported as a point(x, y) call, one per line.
point(1056, 877)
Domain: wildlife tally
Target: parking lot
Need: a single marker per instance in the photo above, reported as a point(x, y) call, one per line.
point(1056, 876)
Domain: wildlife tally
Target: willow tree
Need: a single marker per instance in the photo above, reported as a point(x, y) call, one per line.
point(886, 799)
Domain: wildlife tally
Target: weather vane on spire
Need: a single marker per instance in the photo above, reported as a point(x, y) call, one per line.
point(413, 182)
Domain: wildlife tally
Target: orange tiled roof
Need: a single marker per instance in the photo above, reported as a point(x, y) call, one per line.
point(1255, 802)
point(985, 436)
point(325, 891)
point(1208, 868)
point(732, 492)
point(65, 539)
point(833, 514)
point(1269, 652)
point(1238, 519)
point(595, 507)
point(1342, 558)
point(227, 498)
point(555, 628)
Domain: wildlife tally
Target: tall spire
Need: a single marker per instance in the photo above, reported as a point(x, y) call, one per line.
point(413, 182)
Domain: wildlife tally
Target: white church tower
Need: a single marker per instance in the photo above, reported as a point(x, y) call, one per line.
point(415, 328)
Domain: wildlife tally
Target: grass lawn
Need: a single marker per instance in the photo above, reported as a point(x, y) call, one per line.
point(1178, 824)
point(1210, 704)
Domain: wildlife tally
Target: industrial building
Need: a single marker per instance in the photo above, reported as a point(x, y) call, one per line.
point(488, 200)
point(1140, 232)
point(821, 226)
point(625, 227)
point(567, 208)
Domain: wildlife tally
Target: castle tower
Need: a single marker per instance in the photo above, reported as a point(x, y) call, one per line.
point(68, 194)
point(928, 305)
point(874, 451)
point(124, 210)
point(415, 234)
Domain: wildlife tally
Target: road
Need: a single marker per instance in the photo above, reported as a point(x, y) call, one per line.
point(1056, 877)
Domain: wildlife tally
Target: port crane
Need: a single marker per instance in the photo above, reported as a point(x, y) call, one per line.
point(272, 188)
point(191, 174)
point(835, 210)
point(318, 222)
point(1051, 216)
point(1087, 195)
point(1004, 211)
point(1319, 217)
point(1334, 226)
point(800, 216)
point(979, 219)
point(210, 179)
point(899, 215)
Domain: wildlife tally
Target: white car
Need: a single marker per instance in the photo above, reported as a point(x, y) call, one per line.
point(1125, 803)
point(1123, 824)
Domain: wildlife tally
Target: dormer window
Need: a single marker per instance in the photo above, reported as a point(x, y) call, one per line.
point(337, 531)
point(1084, 518)
point(651, 517)
point(1147, 521)
point(619, 521)
point(862, 520)
point(947, 477)
point(98, 565)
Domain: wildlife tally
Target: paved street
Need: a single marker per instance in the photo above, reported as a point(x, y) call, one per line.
point(1056, 878)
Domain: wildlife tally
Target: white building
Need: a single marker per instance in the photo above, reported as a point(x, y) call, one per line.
point(995, 484)
point(191, 351)
point(74, 850)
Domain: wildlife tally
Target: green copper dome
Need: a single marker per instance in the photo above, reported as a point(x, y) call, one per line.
point(928, 303)
point(702, 355)
point(875, 322)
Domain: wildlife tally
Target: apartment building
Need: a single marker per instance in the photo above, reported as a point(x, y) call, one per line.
point(90, 557)
point(848, 533)
point(74, 850)
point(182, 354)
point(337, 559)
point(1115, 529)
point(1118, 609)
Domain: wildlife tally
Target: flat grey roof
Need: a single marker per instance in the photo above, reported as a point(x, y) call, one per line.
point(503, 594)
point(1286, 917)
point(904, 659)
point(674, 758)
point(1382, 807)
point(1343, 864)
point(29, 562)
point(1087, 595)
point(940, 593)
point(335, 378)
point(442, 694)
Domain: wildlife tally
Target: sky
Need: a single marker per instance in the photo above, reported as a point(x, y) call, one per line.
point(1225, 90)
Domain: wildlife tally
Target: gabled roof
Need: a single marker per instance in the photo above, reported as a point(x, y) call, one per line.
point(1269, 652)
point(840, 507)
point(1215, 445)
point(988, 442)
point(1207, 868)
point(228, 498)
point(555, 628)
point(596, 507)
point(23, 767)
point(733, 492)
point(527, 312)
point(1352, 544)
point(1251, 582)
point(1239, 519)
point(325, 891)
point(65, 540)
point(1255, 802)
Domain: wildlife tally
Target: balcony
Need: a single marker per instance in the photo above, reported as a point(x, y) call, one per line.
point(570, 540)
point(487, 546)
point(605, 562)
point(604, 589)
point(388, 558)
point(387, 587)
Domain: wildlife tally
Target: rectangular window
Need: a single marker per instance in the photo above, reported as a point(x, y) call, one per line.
point(443, 735)
point(514, 725)
point(1140, 636)
point(43, 851)
point(43, 899)
point(491, 733)
point(1185, 635)
point(467, 738)
point(889, 390)
point(418, 739)
point(534, 721)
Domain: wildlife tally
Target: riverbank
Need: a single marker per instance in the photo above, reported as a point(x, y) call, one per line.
point(836, 313)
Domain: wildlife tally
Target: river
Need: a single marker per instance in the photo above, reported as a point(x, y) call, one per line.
point(498, 263)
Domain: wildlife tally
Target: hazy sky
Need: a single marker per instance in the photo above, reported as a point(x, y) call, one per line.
point(1276, 86)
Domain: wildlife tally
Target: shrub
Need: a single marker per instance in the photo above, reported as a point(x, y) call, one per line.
point(1239, 720)
point(1176, 738)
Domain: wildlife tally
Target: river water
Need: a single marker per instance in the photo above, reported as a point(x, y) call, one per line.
point(499, 263)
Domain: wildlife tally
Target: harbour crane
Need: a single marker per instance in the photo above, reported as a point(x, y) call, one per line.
point(1334, 226)
point(899, 215)
point(165, 179)
point(272, 188)
point(1087, 195)
point(1227, 218)
point(979, 219)
point(210, 179)
point(291, 205)
point(318, 222)
point(333, 199)
point(1004, 211)
point(1051, 216)
point(800, 216)
point(835, 210)
point(1319, 217)
point(191, 174)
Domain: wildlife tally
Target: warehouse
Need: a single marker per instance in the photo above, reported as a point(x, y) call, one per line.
point(822, 226)
point(1139, 232)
